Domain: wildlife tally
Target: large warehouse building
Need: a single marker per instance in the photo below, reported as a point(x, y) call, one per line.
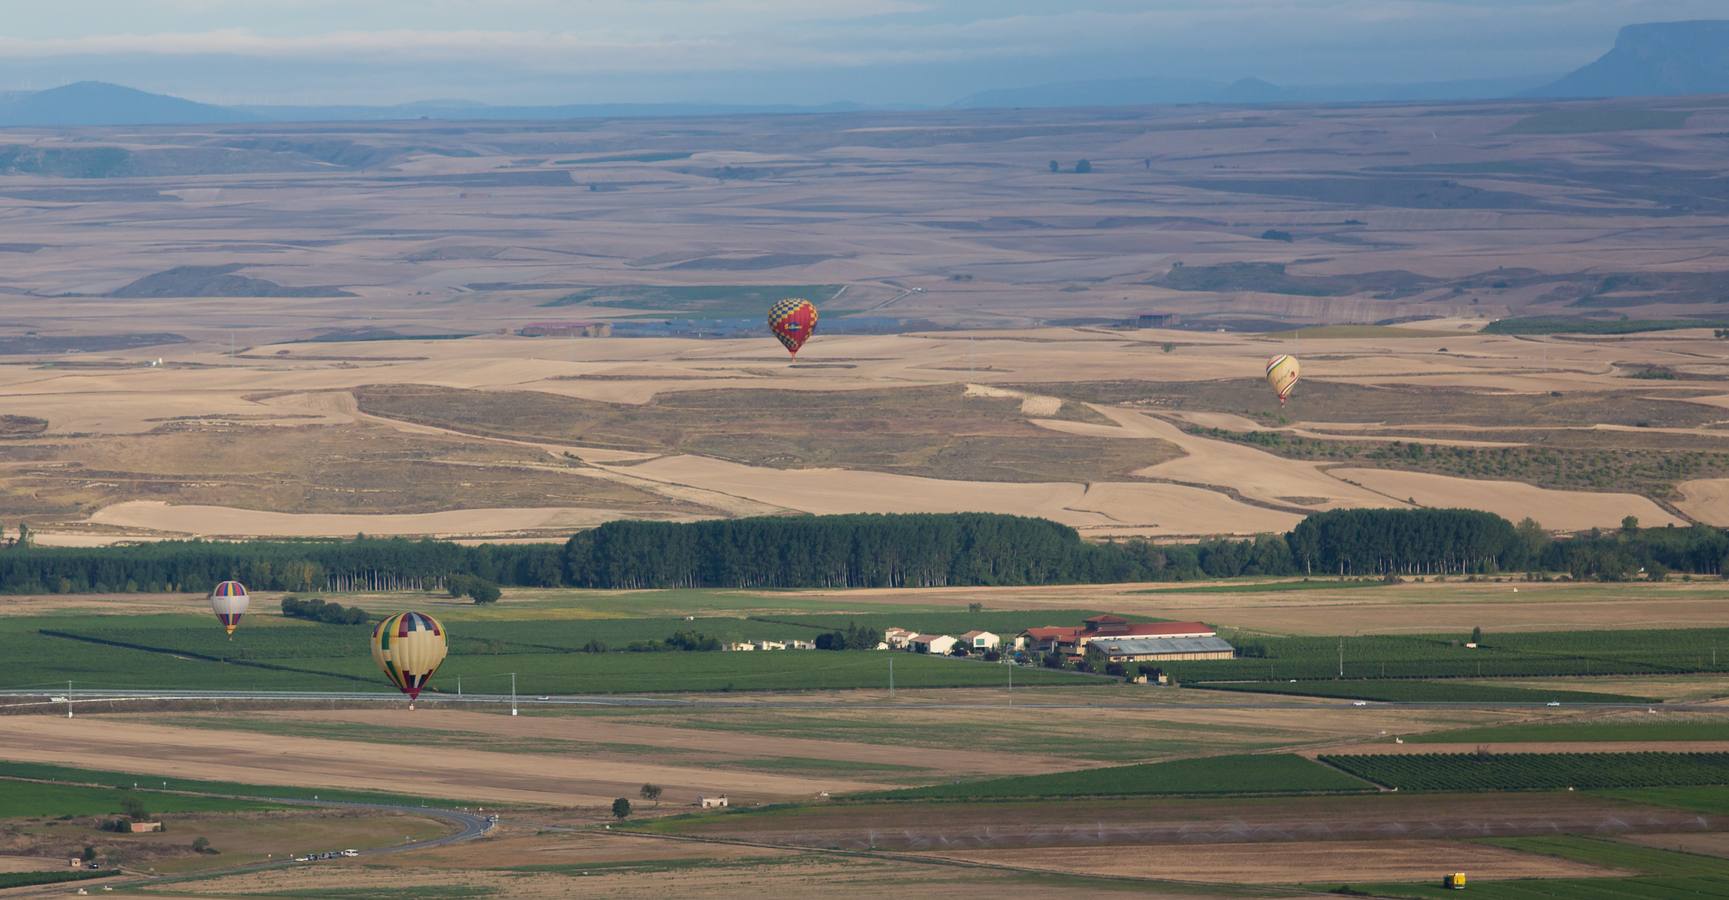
point(1150, 649)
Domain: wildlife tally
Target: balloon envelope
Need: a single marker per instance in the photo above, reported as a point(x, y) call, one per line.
point(1282, 374)
point(408, 648)
point(229, 602)
point(793, 321)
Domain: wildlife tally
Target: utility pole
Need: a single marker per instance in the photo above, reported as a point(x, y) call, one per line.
point(68, 699)
point(1341, 656)
point(513, 693)
point(459, 685)
point(891, 674)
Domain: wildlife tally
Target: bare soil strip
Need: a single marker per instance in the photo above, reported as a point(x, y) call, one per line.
point(1319, 861)
point(130, 745)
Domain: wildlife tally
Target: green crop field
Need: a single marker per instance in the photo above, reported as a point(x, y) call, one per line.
point(1664, 873)
point(125, 780)
point(1512, 654)
point(1706, 799)
point(28, 879)
point(29, 798)
point(273, 653)
point(1253, 774)
point(1535, 771)
point(1618, 730)
point(1396, 690)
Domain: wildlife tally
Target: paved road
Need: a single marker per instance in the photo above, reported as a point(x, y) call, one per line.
point(776, 701)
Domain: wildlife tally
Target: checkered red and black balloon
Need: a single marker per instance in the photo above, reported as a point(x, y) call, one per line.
point(793, 321)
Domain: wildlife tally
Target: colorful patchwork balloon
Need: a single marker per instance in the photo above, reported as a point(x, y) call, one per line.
point(793, 321)
point(229, 602)
point(408, 648)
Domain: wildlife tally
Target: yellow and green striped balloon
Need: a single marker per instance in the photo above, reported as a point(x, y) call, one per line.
point(408, 648)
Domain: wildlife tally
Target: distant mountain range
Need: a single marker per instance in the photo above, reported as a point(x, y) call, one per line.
point(98, 103)
point(1153, 91)
point(1654, 59)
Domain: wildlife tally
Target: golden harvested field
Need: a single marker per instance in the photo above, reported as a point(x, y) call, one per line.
point(1340, 861)
point(972, 355)
point(442, 772)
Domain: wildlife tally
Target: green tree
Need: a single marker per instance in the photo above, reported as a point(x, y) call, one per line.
point(1629, 524)
point(650, 791)
point(1533, 542)
point(1057, 167)
point(89, 854)
point(202, 845)
point(134, 808)
point(1477, 635)
point(621, 808)
point(1083, 167)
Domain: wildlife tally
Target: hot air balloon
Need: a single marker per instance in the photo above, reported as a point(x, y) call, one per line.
point(408, 647)
point(793, 321)
point(229, 601)
point(1282, 373)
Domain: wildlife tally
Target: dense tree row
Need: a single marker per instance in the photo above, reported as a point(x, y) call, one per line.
point(1634, 552)
point(363, 564)
point(320, 611)
point(1405, 542)
point(869, 551)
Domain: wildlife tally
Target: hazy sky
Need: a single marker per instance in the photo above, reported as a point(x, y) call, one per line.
point(780, 51)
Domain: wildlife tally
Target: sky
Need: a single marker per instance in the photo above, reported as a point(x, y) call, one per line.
point(878, 52)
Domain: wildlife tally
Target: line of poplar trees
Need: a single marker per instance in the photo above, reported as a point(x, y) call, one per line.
point(894, 551)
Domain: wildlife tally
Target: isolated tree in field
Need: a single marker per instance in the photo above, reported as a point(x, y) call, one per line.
point(1083, 167)
point(89, 854)
point(134, 809)
point(1056, 166)
point(202, 845)
point(1477, 635)
point(975, 607)
point(650, 792)
point(621, 809)
point(1629, 524)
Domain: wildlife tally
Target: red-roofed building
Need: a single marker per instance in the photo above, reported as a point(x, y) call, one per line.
point(1073, 641)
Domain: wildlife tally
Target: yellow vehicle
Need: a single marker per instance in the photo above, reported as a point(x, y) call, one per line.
point(1454, 881)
